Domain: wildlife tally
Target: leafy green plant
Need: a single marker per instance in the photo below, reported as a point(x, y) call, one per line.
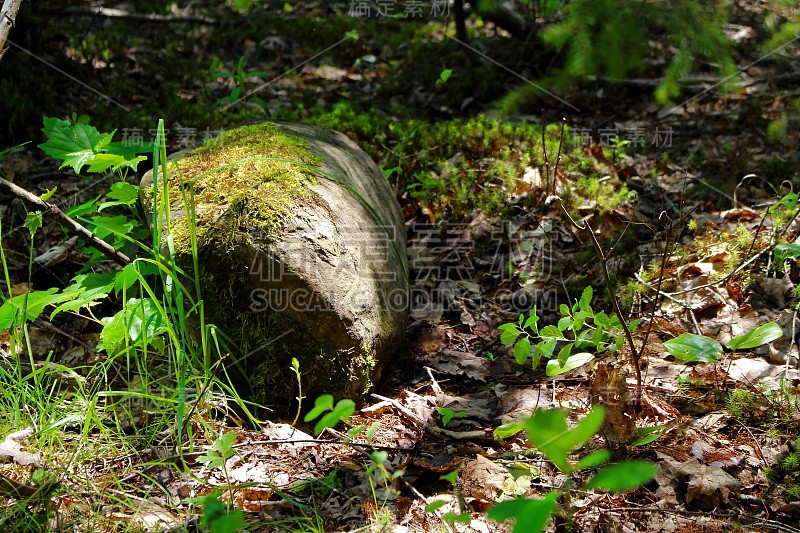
point(579, 329)
point(220, 452)
point(449, 414)
point(218, 517)
point(215, 512)
point(239, 78)
point(610, 38)
point(700, 348)
point(339, 413)
point(548, 431)
point(451, 517)
point(77, 144)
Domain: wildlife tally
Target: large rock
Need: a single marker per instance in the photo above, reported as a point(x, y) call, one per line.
point(302, 254)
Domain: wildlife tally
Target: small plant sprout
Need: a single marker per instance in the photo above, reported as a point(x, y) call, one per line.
point(296, 369)
point(339, 413)
point(444, 76)
point(699, 348)
point(449, 414)
point(218, 455)
point(548, 431)
point(579, 330)
point(217, 515)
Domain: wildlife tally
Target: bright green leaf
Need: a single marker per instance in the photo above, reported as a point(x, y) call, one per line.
point(572, 362)
point(33, 221)
point(341, 411)
point(530, 516)
point(758, 337)
point(648, 435)
point(124, 193)
point(224, 444)
point(75, 145)
point(433, 506)
point(448, 414)
point(585, 303)
point(11, 310)
point(786, 251)
point(230, 522)
point(563, 354)
point(522, 350)
point(509, 334)
point(691, 347)
point(551, 332)
point(532, 320)
point(86, 290)
point(586, 428)
point(48, 194)
point(594, 459)
point(321, 404)
point(450, 477)
point(623, 476)
point(508, 430)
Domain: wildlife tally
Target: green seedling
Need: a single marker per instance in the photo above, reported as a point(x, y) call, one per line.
point(339, 413)
point(449, 414)
point(580, 333)
point(444, 76)
point(699, 348)
point(548, 431)
point(217, 515)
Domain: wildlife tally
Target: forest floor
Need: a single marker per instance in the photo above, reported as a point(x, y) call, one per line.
point(687, 202)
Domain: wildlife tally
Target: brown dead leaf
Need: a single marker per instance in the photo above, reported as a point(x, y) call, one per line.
point(707, 487)
point(519, 403)
point(481, 478)
point(740, 214)
point(56, 254)
point(11, 447)
point(456, 363)
point(775, 289)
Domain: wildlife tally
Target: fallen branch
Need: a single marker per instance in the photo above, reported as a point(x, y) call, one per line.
point(8, 17)
point(411, 415)
point(109, 12)
point(107, 250)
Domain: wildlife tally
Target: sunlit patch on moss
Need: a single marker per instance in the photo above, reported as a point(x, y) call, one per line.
point(248, 177)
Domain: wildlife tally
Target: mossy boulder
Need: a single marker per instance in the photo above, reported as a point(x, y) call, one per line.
point(301, 248)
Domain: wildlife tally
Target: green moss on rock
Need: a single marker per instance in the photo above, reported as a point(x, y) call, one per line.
point(249, 177)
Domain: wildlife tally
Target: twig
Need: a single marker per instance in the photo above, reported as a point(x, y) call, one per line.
point(8, 17)
point(422, 497)
point(606, 276)
point(142, 17)
point(720, 280)
point(614, 301)
point(661, 275)
point(411, 415)
point(107, 250)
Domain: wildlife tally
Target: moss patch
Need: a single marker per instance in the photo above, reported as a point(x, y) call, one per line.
point(249, 177)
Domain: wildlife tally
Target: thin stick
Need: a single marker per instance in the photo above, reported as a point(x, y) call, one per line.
point(411, 415)
point(613, 297)
point(107, 250)
point(8, 16)
point(121, 14)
